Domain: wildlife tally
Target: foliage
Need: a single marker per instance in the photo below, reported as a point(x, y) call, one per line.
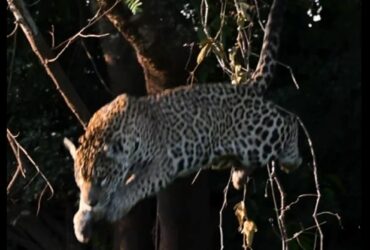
point(134, 5)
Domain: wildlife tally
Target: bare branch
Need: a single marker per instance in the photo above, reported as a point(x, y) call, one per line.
point(196, 176)
point(101, 79)
point(333, 214)
point(14, 177)
point(259, 16)
point(291, 73)
point(12, 59)
point(224, 203)
point(94, 35)
point(73, 39)
point(298, 199)
point(279, 217)
point(30, 181)
point(204, 10)
point(297, 234)
point(52, 36)
point(39, 47)
point(282, 211)
point(15, 149)
point(39, 200)
point(318, 193)
point(215, 41)
point(222, 21)
point(14, 30)
point(79, 34)
point(12, 140)
point(34, 3)
point(286, 66)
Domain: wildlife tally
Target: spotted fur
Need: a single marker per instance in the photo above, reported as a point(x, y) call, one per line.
point(134, 147)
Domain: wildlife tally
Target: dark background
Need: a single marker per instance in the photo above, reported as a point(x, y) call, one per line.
point(326, 60)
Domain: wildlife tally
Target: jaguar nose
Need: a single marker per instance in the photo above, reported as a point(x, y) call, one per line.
point(89, 199)
point(89, 194)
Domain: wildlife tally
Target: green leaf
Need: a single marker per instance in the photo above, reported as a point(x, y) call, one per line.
point(134, 5)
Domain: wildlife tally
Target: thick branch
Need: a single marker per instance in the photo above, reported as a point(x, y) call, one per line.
point(53, 69)
point(158, 36)
point(117, 52)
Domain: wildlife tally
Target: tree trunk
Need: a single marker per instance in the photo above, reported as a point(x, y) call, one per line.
point(184, 215)
point(158, 36)
point(134, 231)
point(124, 72)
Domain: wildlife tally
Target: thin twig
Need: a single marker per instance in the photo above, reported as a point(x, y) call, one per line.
point(30, 181)
point(34, 3)
point(196, 176)
point(315, 241)
point(245, 191)
point(79, 34)
point(224, 203)
point(216, 46)
point(333, 214)
point(14, 30)
point(298, 199)
point(13, 139)
point(286, 66)
point(245, 245)
point(191, 47)
point(12, 181)
point(94, 35)
point(52, 36)
point(39, 199)
point(259, 16)
point(42, 51)
point(291, 73)
point(297, 234)
point(101, 79)
point(204, 16)
point(12, 59)
point(271, 174)
point(318, 193)
point(222, 21)
point(300, 244)
point(157, 233)
point(282, 211)
point(16, 153)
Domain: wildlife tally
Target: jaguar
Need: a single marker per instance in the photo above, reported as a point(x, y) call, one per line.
point(134, 147)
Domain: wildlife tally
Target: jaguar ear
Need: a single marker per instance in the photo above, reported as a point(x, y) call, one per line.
point(70, 146)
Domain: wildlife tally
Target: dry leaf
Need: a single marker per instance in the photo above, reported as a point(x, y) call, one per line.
point(246, 226)
point(203, 52)
point(241, 214)
point(249, 228)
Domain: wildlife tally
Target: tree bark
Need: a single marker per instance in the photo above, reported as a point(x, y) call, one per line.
point(158, 36)
point(135, 231)
point(124, 72)
point(184, 215)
